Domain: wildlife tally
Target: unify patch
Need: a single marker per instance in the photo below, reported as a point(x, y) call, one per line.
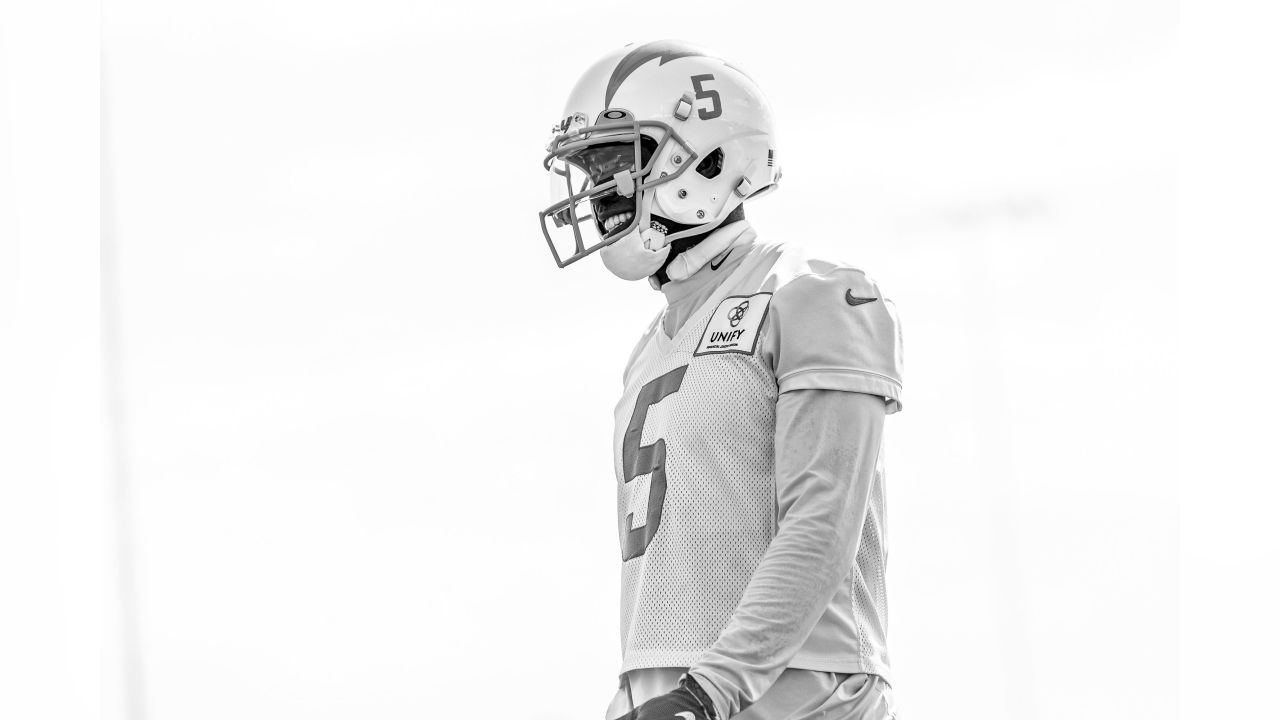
point(735, 325)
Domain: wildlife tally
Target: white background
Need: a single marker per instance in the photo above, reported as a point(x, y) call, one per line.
point(363, 422)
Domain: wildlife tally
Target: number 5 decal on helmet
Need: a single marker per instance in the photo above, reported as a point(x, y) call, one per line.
point(701, 93)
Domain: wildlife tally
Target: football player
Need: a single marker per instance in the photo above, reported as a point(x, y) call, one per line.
point(747, 444)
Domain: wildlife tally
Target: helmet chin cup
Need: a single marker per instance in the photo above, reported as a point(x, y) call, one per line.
point(636, 255)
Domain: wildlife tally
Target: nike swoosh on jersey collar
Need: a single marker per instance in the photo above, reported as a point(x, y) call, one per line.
point(855, 301)
point(716, 265)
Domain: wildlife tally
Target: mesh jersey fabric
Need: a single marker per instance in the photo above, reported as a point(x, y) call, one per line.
point(694, 458)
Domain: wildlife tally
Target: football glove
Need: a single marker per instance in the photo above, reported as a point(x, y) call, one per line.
point(687, 702)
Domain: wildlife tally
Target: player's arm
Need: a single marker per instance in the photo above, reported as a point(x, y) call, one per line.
point(827, 443)
point(838, 365)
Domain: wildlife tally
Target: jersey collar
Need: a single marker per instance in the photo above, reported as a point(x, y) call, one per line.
point(705, 260)
point(692, 297)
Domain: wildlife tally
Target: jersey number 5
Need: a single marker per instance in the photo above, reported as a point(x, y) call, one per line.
point(649, 460)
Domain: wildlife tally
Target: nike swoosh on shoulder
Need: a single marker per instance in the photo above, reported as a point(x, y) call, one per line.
point(855, 301)
point(716, 265)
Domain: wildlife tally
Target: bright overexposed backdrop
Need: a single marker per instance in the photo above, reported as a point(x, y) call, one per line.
point(365, 421)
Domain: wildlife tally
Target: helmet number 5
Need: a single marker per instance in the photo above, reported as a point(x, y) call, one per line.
point(701, 93)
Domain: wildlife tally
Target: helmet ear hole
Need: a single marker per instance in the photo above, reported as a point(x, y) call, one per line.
point(711, 164)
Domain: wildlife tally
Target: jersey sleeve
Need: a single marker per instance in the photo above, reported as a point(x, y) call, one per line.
point(835, 331)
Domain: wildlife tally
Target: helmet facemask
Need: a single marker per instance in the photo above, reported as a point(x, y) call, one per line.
point(613, 212)
point(600, 173)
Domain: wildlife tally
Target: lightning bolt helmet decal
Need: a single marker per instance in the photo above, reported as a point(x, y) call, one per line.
point(664, 50)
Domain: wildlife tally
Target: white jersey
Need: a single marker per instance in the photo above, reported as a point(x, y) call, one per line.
point(694, 455)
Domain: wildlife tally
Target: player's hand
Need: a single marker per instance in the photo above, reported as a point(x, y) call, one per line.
point(687, 702)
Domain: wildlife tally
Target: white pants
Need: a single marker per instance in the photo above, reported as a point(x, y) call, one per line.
point(797, 695)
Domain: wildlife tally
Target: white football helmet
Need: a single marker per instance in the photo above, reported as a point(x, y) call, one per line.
point(659, 141)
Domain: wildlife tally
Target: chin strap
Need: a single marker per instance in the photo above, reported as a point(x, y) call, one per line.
point(691, 261)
